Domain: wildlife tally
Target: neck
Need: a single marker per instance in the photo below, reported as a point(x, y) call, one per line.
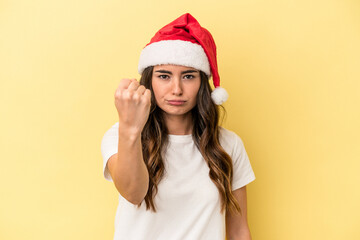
point(179, 125)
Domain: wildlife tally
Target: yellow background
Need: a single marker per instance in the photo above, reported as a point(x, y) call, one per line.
point(292, 69)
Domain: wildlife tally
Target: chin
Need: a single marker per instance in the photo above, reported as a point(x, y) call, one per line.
point(176, 112)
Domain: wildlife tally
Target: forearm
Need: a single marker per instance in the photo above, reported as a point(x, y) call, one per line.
point(131, 176)
point(243, 234)
point(237, 227)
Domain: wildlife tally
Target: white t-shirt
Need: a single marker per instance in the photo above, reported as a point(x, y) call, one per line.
point(187, 202)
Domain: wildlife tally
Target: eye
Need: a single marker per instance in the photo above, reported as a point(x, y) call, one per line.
point(189, 76)
point(163, 77)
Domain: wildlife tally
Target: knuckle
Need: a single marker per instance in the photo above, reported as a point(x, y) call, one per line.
point(117, 94)
point(127, 96)
point(136, 97)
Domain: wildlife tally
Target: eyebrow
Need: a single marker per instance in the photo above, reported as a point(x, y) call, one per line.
point(183, 72)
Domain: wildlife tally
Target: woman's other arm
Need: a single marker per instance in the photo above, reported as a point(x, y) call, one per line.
point(236, 225)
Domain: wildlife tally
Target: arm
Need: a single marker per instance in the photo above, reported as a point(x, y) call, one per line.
point(236, 225)
point(127, 168)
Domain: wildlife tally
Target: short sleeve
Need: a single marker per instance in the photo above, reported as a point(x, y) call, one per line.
point(109, 147)
point(243, 173)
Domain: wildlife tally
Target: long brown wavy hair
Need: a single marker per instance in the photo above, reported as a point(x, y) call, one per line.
point(205, 116)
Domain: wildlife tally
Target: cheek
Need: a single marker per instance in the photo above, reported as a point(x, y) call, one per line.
point(196, 90)
point(156, 91)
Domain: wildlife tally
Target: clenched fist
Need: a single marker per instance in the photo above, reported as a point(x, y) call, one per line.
point(132, 102)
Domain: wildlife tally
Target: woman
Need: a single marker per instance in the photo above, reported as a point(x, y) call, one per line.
point(179, 175)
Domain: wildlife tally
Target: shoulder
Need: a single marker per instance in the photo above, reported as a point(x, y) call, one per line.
point(113, 128)
point(225, 133)
point(116, 125)
point(230, 141)
point(110, 136)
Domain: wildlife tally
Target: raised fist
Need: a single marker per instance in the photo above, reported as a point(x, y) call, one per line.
point(132, 102)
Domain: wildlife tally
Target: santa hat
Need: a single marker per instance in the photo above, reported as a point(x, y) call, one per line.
point(184, 42)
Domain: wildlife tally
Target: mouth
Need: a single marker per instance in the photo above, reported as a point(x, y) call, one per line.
point(176, 102)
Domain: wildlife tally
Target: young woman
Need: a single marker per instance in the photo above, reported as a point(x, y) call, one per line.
point(179, 174)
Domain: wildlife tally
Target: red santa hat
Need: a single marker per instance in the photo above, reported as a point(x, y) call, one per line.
point(184, 42)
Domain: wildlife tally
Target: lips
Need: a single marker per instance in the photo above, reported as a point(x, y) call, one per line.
point(176, 102)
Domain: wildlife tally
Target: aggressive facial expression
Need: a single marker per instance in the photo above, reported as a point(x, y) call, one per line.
point(175, 88)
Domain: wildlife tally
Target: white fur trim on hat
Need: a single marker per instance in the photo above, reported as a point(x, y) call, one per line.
point(175, 52)
point(219, 95)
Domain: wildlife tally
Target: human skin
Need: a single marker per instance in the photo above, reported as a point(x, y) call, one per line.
point(127, 168)
point(175, 90)
point(237, 227)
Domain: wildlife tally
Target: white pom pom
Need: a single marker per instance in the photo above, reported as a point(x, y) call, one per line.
point(219, 95)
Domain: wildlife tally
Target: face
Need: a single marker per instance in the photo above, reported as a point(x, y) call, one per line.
point(175, 88)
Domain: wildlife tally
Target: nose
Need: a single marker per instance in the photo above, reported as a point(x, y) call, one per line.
point(177, 89)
